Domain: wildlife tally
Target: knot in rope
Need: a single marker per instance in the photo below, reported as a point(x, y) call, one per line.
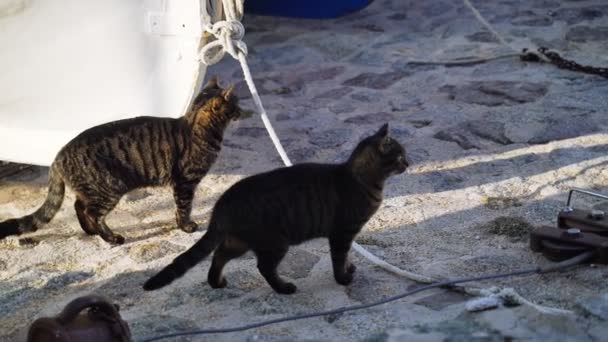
point(229, 35)
point(527, 55)
point(545, 55)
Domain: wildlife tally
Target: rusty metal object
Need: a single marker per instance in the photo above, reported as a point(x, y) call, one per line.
point(577, 231)
point(87, 319)
point(585, 220)
point(561, 244)
point(591, 221)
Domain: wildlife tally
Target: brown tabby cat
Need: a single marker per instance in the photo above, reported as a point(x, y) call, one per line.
point(269, 212)
point(105, 162)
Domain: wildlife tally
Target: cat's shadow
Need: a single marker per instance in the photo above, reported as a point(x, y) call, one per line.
point(159, 228)
point(132, 233)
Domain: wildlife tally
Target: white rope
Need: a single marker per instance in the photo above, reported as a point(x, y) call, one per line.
point(258, 103)
point(489, 27)
point(229, 34)
point(511, 297)
point(486, 24)
point(391, 268)
point(462, 62)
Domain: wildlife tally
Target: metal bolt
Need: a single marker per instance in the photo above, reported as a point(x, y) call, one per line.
point(597, 214)
point(573, 231)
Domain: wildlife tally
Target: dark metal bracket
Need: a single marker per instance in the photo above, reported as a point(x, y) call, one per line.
point(577, 231)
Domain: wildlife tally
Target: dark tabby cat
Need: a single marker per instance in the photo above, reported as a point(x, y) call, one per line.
point(269, 212)
point(104, 162)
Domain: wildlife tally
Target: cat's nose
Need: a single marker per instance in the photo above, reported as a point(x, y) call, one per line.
point(403, 164)
point(243, 114)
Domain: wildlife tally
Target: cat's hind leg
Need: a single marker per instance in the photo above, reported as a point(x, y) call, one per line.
point(183, 193)
point(268, 261)
point(96, 212)
point(83, 219)
point(230, 249)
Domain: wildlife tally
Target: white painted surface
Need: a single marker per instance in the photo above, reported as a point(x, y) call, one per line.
point(67, 65)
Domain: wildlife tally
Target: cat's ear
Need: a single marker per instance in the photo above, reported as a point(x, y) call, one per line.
point(227, 93)
point(383, 141)
point(383, 131)
point(212, 83)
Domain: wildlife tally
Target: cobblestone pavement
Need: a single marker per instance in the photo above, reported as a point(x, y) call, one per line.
point(494, 148)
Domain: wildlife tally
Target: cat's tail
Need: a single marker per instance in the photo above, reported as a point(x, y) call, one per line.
point(188, 259)
point(43, 215)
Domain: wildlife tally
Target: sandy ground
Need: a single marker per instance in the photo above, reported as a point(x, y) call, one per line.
point(494, 147)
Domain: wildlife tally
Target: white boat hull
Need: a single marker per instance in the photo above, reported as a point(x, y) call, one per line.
point(68, 65)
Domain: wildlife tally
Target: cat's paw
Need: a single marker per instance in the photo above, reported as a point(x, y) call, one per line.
point(189, 227)
point(117, 239)
point(351, 268)
point(218, 284)
point(286, 288)
point(344, 279)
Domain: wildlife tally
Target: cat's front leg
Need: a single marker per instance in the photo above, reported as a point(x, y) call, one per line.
point(183, 193)
point(339, 246)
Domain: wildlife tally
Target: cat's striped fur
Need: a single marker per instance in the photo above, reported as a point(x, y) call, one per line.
point(104, 162)
point(268, 212)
